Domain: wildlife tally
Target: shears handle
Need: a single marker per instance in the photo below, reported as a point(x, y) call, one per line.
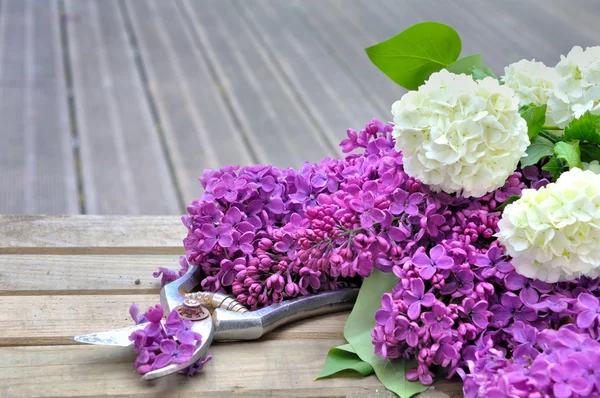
point(252, 325)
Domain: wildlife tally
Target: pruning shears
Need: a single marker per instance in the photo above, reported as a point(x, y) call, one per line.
point(216, 316)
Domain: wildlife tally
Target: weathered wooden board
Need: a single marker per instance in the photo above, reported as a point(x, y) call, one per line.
point(267, 106)
point(321, 81)
point(199, 129)
point(124, 168)
point(37, 170)
point(39, 274)
point(47, 298)
point(91, 235)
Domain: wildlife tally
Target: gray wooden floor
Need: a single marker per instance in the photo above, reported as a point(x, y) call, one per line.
point(116, 106)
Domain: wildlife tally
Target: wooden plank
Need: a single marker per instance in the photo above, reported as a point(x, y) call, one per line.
point(37, 171)
point(199, 131)
point(124, 167)
point(346, 41)
point(91, 235)
point(267, 106)
point(51, 320)
point(272, 368)
point(327, 88)
point(76, 274)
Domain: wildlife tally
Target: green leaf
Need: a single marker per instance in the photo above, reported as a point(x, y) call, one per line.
point(586, 128)
point(555, 167)
point(482, 73)
point(410, 57)
point(539, 148)
point(466, 64)
point(508, 201)
point(360, 324)
point(535, 116)
point(341, 359)
point(589, 152)
point(568, 152)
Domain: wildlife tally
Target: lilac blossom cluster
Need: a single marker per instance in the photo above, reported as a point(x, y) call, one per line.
point(264, 234)
point(548, 363)
point(160, 344)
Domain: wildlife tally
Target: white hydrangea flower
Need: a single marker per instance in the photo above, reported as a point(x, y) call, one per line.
point(457, 134)
point(532, 81)
point(578, 88)
point(553, 234)
point(594, 166)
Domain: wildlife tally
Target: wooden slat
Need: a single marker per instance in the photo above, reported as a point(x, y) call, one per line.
point(198, 128)
point(76, 274)
point(273, 368)
point(124, 168)
point(51, 320)
point(267, 106)
point(37, 171)
point(346, 41)
point(331, 93)
point(91, 235)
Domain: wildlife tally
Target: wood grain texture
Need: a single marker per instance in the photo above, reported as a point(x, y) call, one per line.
point(267, 106)
point(91, 235)
point(266, 368)
point(124, 168)
point(51, 320)
point(43, 275)
point(37, 170)
point(320, 80)
point(199, 130)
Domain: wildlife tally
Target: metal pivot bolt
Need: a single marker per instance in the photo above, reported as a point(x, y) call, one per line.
point(192, 310)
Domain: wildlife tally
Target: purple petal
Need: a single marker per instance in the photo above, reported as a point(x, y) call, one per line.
point(162, 360)
point(417, 287)
point(588, 301)
point(515, 281)
point(504, 266)
point(186, 337)
point(444, 262)
point(510, 300)
point(185, 352)
point(426, 272)
point(226, 241)
point(529, 295)
point(427, 300)
point(421, 260)
point(586, 319)
point(208, 231)
point(480, 320)
point(168, 346)
point(414, 310)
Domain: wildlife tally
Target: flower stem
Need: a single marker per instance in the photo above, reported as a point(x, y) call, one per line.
point(551, 128)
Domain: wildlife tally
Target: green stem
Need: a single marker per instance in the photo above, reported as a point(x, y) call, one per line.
point(553, 138)
point(551, 128)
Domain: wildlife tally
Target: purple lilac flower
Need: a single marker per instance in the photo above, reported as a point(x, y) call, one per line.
point(591, 310)
point(437, 320)
point(428, 264)
point(416, 297)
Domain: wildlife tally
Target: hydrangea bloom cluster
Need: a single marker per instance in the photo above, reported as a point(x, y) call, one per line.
point(159, 345)
point(553, 233)
point(533, 82)
point(578, 88)
point(460, 135)
point(546, 363)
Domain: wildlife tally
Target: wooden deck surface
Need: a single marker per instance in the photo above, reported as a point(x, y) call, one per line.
point(70, 275)
point(117, 106)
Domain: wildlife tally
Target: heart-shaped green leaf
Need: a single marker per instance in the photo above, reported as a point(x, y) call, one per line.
point(358, 329)
point(589, 152)
point(343, 358)
point(586, 128)
point(555, 167)
point(539, 148)
point(466, 65)
point(535, 116)
point(568, 152)
point(410, 57)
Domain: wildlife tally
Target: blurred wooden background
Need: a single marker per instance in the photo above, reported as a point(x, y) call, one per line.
point(116, 106)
